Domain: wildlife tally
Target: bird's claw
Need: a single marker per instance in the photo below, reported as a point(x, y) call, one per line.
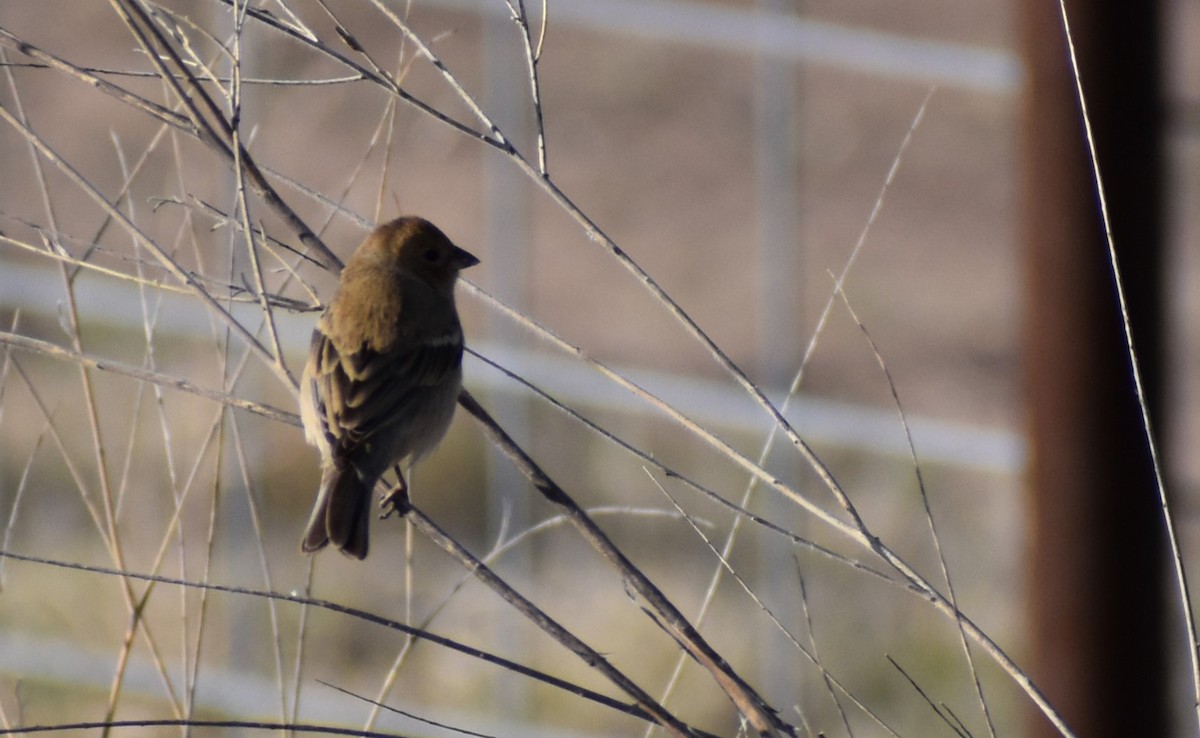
point(395, 500)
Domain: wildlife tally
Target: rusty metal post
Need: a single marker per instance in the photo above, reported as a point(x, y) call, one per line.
point(1097, 558)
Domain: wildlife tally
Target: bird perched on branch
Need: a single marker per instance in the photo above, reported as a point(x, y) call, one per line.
point(383, 374)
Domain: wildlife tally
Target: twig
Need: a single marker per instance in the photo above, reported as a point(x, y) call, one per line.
point(1185, 597)
point(264, 725)
point(521, 18)
point(826, 677)
point(173, 266)
point(914, 582)
point(723, 562)
point(496, 135)
point(263, 81)
point(377, 705)
point(154, 110)
point(127, 179)
point(131, 11)
point(798, 377)
point(244, 466)
point(18, 495)
point(49, 349)
point(275, 300)
point(240, 168)
point(539, 618)
point(764, 718)
point(932, 705)
point(107, 501)
point(646, 458)
point(924, 494)
point(857, 532)
point(363, 615)
point(368, 75)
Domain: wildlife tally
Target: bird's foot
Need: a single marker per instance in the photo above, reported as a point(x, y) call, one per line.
point(395, 500)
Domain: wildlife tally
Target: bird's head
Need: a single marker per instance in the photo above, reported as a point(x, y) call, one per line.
point(419, 248)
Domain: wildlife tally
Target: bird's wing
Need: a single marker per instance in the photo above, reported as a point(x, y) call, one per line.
point(362, 391)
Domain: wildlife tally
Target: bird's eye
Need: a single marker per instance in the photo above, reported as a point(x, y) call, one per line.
point(431, 255)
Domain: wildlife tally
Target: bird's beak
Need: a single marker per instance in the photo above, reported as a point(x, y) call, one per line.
point(462, 259)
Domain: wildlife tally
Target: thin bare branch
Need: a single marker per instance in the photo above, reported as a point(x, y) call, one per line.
point(93, 362)
point(369, 75)
point(232, 292)
point(211, 123)
point(263, 81)
point(924, 493)
point(1181, 581)
point(925, 697)
point(173, 266)
point(154, 110)
point(671, 473)
point(549, 625)
point(763, 717)
point(366, 617)
point(808, 654)
point(521, 18)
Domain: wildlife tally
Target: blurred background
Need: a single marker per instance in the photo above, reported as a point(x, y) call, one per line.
point(747, 155)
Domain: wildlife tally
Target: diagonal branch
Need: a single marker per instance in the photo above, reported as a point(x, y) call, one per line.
point(762, 717)
point(590, 656)
point(160, 50)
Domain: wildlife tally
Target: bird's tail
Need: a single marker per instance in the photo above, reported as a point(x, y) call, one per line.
point(342, 513)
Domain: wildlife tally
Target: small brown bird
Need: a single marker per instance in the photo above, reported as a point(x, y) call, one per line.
point(383, 374)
